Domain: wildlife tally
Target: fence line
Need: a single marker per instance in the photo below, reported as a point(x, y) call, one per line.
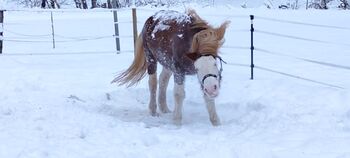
point(225, 15)
point(28, 35)
point(65, 53)
point(239, 30)
point(287, 75)
point(153, 10)
point(238, 64)
point(77, 39)
point(303, 23)
point(122, 22)
point(148, 9)
point(62, 36)
point(73, 39)
point(216, 15)
point(59, 41)
point(300, 38)
point(299, 77)
point(304, 59)
point(91, 37)
point(299, 58)
point(69, 10)
point(235, 47)
point(13, 23)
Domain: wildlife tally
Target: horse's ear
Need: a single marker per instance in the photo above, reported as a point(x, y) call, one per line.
point(222, 29)
point(193, 56)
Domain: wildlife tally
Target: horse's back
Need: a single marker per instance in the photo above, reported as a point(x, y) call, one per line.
point(166, 24)
point(167, 38)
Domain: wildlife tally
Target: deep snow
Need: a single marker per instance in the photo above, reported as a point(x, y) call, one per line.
point(62, 105)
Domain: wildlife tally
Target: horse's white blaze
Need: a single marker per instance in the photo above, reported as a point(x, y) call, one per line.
point(207, 65)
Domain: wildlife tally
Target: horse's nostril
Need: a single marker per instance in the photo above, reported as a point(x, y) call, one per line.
point(215, 87)
point(206, 90)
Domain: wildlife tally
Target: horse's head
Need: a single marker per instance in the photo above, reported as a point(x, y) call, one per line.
point(209, 69)
point(205, 45)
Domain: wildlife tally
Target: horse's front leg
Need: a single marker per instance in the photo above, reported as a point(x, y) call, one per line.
point(210, 103)
point(179, 95)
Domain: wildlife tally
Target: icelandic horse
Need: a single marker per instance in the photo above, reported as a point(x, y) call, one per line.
point(184, 44)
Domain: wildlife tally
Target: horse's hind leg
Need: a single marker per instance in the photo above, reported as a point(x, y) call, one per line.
point(210, 103)
point(163, 84)
point(152, 84)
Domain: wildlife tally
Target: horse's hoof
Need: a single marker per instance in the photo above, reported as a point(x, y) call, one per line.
point(165, 110)
point(154, 114)
point(177, 121)
point(215, 122)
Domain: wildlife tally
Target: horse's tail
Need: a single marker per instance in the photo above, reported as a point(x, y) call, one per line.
point(137, 69)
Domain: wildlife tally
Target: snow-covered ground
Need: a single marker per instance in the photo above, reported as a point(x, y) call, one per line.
point(59, 102)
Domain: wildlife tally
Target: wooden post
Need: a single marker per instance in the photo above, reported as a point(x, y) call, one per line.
point(134, 22)
point(1, 29)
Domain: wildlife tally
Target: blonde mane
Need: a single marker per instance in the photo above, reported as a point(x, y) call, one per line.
point(209, 39)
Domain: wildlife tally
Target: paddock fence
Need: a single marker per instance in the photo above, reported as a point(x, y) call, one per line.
point(71, 32)
point(308, 43)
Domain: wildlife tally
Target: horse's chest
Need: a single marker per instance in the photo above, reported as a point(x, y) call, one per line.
point(177, 65)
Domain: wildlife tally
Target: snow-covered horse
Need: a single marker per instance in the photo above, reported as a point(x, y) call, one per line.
point(183, 44)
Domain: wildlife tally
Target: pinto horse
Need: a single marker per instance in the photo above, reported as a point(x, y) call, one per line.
point(184, 44)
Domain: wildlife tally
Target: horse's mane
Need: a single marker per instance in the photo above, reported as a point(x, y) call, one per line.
point(198, 22)
point(208, 39)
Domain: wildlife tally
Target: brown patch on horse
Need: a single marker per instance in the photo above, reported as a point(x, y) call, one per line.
point(137, 69)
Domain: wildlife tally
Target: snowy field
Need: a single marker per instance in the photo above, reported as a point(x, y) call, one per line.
point(59, 103)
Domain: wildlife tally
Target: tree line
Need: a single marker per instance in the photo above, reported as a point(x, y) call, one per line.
point(87, 4)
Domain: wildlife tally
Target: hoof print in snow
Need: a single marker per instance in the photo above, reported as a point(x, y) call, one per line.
point(75, 99)
point(108, 96)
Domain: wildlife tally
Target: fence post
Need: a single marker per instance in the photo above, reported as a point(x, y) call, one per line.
point(134, 24)
point(53, 32)
point(1, 29)
point(251, 48)
point(116, 30)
